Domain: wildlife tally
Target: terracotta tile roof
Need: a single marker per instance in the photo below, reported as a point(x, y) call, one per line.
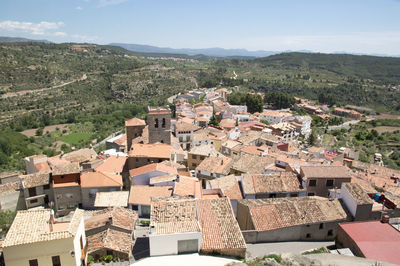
point(65, 169)
point(35, 179)
point(174, 216)
point(364, 184)
point(216, 165)
point(135, 122)
point(271, 183)
point(112, 240)
point(100, 179)
point(271, 214)
point(357, 193)
point(163, 178)
point(274, 113)
point(325, 171)
point(42, 167)
point(227, 123)
point(185, 127)
point(153, 167)
point(220, 230)
point(252, 164)
point(111, 199)
point(121, 141)
point(81, 155)
point(228, 185)
point(151, 150)
point(186, 186)
point(230, 144)
point(32, 226)
point(253, 149)
point(205, 150)
point(141, 195)
point(177, 166)
point(117, 217)
point(113, 164)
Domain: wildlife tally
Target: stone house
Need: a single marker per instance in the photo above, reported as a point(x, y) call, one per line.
point(37, 190)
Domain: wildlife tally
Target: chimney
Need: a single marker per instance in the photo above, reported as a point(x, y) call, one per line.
point(385, 219)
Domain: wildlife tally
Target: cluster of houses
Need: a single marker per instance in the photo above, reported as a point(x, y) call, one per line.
point(203, 188)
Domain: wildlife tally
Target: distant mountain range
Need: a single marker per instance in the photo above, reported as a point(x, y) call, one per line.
point(219, 52)
point(19, 39)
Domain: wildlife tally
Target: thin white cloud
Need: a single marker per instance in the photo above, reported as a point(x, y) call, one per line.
point(103, 3)
point(60, 34)
point(40, 28)
point(79, 8)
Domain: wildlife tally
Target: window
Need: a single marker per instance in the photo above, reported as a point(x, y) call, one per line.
point(59, 196)
point(33, 262)
point(135, 207)
point(308, 236)
point(329, 183)
point(187, 138)
point(32, 192)
point(33, 201)
point(321, 226)
point(46, 186)
point(180, 139)
point(109, 252)
point(56, 260)
point(312, 183)
point(156, 123)
point(194, 157)
point(330, 232)
point(194, 165)
point(92, 192)
point(163, 123)
point(137, 159)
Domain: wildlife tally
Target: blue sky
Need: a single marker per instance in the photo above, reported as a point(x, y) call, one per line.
point(355, 26)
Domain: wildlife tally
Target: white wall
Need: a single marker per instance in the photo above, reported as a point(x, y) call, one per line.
point(144, 179)
point(168, 244)
point(348, 200)
point(77, 243)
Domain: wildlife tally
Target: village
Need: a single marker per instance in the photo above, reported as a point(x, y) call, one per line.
point(203, 177)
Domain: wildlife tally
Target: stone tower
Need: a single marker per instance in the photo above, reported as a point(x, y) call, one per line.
point(134, 128)
point(159, 121)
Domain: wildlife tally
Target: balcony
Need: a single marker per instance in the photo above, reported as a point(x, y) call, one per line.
point(35, 201)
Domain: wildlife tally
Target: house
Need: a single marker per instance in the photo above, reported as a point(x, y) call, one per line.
point(198, 153)
point(35, 238)
point(111, 199)
point(140, 197)
point(93, 182)
point(228, 146)
point(110, 232)
point(289, 219)
point(357, 201)
point(230, 188)
point(143, 154)
point(286, 131)
point(117, 143)
point(66, 187)
point(273, 117)
point(227, 124)
point(347, 113)
point(36, 163)
point(213, 167)
point(219, 229)
point(141, 176)
point(184, 132)
point(319, 179)
point(9, 177)
point(36, 189)
point(186, 186)
point(174, 227)
point(371, 239)
point(276, 185)
point(251, 164)
point(81, 156)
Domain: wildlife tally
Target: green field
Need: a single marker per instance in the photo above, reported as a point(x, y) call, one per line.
point(76, 139)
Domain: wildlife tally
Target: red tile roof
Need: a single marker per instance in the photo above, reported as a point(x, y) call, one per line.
point(100, 179)
point(113, 164)
point(376, 240)
point(141, 195)
point(153, 167)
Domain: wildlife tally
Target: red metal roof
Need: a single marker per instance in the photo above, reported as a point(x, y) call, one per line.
point(376, 240)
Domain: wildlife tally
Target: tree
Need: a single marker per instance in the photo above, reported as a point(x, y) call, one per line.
point(311, 139)
point(214, 121)
point(39, 132)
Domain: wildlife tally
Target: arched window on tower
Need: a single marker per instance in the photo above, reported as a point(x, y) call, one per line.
point(163, 122)
point(156, 123)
